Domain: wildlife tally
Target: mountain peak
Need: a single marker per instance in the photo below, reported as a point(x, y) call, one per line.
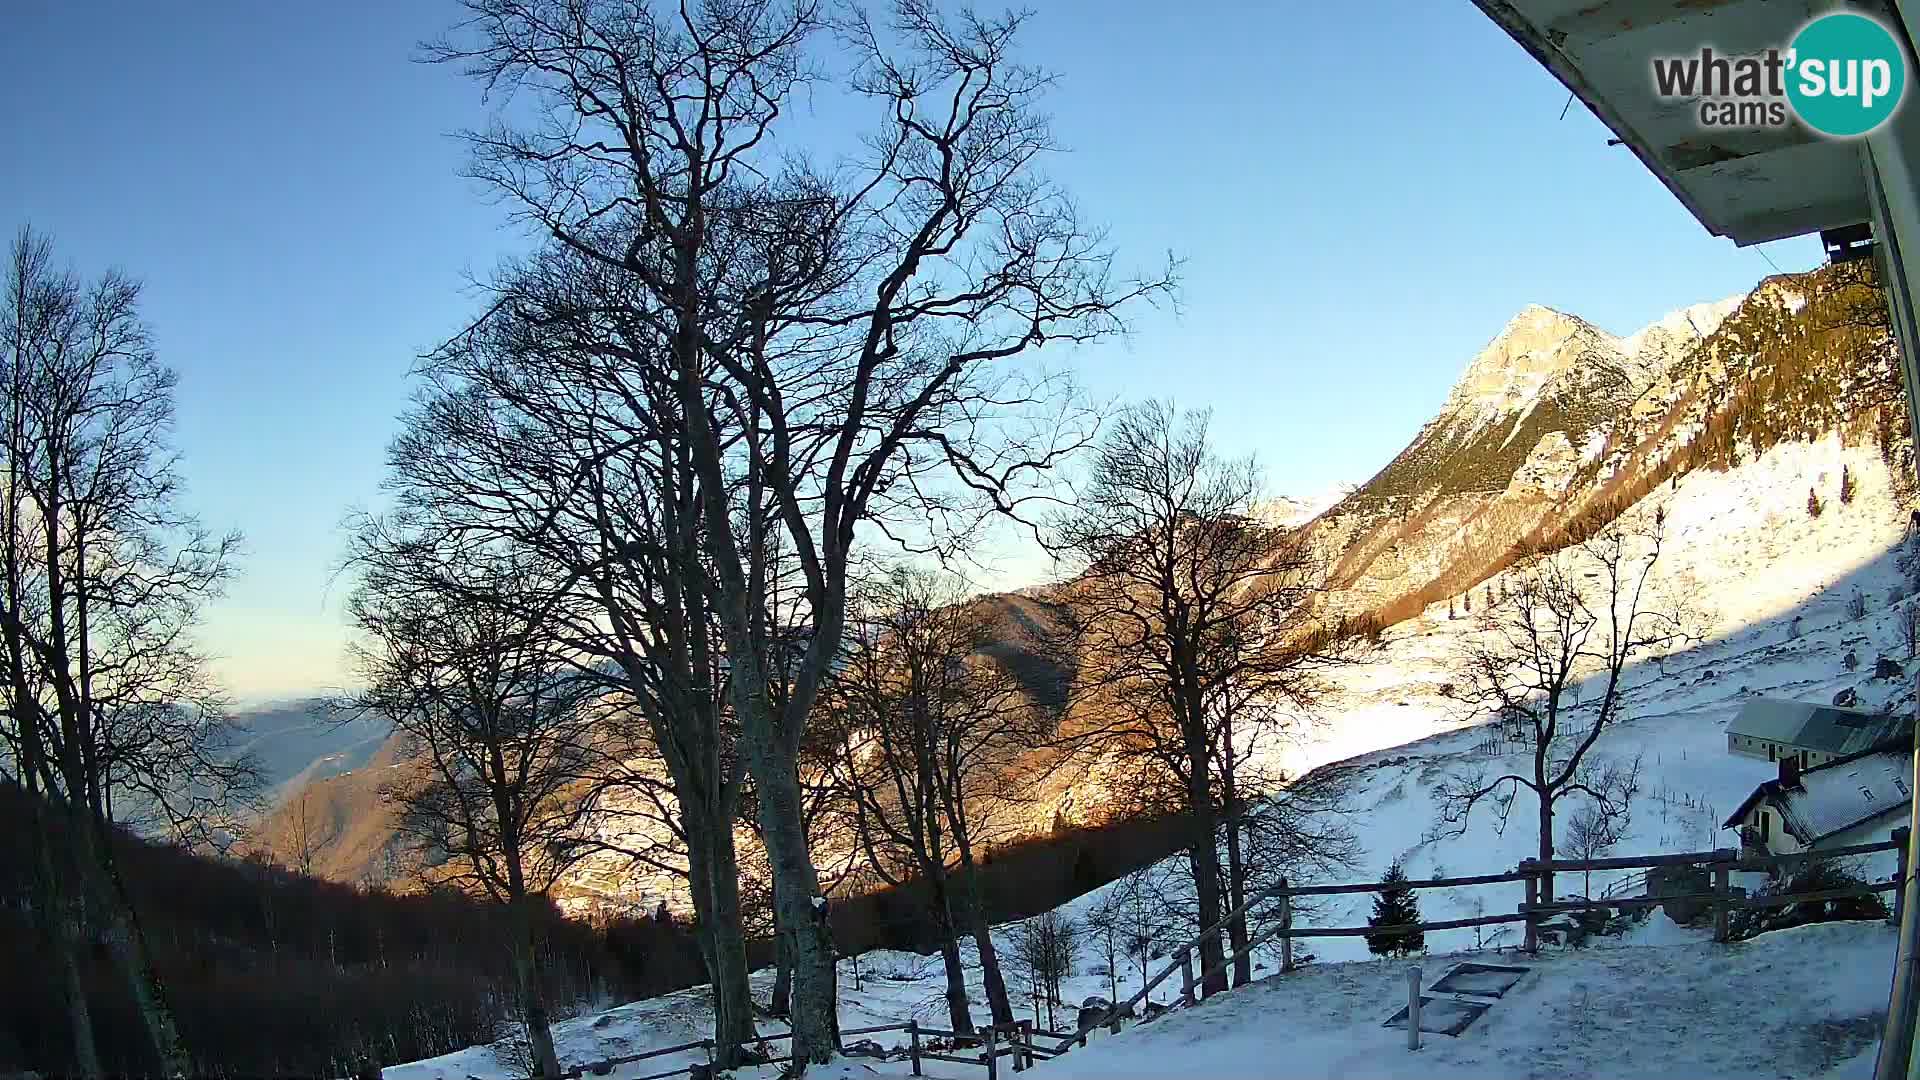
point(1658, 344)
point(1536, 345)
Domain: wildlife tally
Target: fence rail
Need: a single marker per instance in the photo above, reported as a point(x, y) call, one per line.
point(1019, 1040)
point(1532, 911)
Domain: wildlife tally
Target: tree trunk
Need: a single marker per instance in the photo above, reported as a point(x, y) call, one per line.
point(782, 1001)
point(976, 917)
point(998, 1003)
point(958, 1012)
point(713, 874)
point(108, 902)
point(62, 916)
point(136, 961)
point(732, 992)
point(533, 997)
point(1546, 848)
point(58, 908)
point(1203, 855)
point(1236, 898)
point(65, 938)
point(799, 911)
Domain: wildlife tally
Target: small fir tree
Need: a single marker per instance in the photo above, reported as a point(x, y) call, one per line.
point(1846, 486)
point(1395, 906)
point(1813, 503)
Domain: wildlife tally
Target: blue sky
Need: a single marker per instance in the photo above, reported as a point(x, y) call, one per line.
point(1361, 201)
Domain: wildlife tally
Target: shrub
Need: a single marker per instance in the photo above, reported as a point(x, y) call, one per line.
point(1814, 875)
point(1813, 504)
point(1857, 605)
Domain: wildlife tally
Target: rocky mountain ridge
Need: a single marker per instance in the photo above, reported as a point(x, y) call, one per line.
point(1553, 423)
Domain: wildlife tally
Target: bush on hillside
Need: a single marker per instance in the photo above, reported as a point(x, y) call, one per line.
point(1814, 875)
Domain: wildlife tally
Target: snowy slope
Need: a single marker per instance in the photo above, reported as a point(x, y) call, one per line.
point(1790, 1004)
point(1777, 583)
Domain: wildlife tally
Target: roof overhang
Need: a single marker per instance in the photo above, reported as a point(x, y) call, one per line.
point(1751, 186)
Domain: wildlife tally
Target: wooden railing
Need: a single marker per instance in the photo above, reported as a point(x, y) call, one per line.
point(1016, 1040)
point(1020, 1039)
point(1532, 911)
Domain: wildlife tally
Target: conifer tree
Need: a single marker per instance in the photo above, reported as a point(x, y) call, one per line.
point(1395, 905)
point(1813, 503)
point(1846, 486)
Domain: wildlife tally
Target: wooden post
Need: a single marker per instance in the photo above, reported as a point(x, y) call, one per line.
point(1722, 893)
point(1186, 976)
point(913, 1044)
point(1533, 898)
point(993, 1053)
point(1413, 1007)
point(1900, 836)
point(1026, 1036)
point(1286, 927)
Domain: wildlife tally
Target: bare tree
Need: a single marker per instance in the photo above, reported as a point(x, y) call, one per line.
point(833, 337)
point(113, 716)
point(537, 430)
point(931, 725)
point(308, 835)
point(1196, 627)
point(1591, 833)
point(1046, 948)
point(460, 658)
point(1587, 611)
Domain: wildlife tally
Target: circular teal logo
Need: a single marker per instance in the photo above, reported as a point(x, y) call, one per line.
point(1846, 73)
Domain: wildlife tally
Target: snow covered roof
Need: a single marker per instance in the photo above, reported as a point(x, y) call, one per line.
point(1752, 186)
point(1825, 728)
point(1829, 798)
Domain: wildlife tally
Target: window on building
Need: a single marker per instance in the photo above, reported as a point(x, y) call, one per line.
point(1772, 752)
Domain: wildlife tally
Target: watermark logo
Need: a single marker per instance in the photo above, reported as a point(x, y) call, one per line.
point(1843, 75)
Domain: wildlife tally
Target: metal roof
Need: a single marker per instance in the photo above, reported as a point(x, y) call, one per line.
point(1751, 185)
point(1830, 798)
point(1827, 729)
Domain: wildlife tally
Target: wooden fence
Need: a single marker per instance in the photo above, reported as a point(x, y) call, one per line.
point(1532, 911)
point(1016, 1040)
point(1019, 1040)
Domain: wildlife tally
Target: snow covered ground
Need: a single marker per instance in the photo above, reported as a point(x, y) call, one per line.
point(1795, 1003)
point(1658, 1002)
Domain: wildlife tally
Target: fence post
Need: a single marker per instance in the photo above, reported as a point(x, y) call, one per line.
point(1722, 894)
point(1900, 836)
point(1413, 1007)
point(1533, 898)
point(1186, 975)
point(913, 1044)
point(1026, 1033)
point(993, 1053)
point(1286, 927)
